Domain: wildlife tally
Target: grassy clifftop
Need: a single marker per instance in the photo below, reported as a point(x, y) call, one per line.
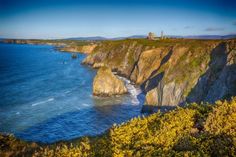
point(180, 70)
point(195, 130)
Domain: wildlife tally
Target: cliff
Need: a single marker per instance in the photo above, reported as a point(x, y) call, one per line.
point(176, 71)
point(81, 48)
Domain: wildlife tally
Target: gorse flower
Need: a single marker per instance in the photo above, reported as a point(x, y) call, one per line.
point(195, 130)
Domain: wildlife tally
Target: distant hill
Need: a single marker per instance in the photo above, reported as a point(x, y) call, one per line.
point(99, 38)
point(144, 36)
point(207, 36)
point(104, 38)
point(87, 38)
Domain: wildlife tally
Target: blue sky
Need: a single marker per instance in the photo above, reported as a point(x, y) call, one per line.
point(70, 18)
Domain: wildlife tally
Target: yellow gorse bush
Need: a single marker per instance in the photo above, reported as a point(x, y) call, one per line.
point(223, 119)
point(194, 130)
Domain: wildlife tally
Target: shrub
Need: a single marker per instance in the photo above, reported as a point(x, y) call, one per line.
point(194, 130)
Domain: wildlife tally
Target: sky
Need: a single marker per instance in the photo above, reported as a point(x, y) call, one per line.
point(52, 19)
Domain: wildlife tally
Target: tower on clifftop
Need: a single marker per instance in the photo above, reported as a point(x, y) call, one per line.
point(151, 36)
point(162, 35)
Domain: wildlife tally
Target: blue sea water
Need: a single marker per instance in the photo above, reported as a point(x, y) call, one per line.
point(46, 96)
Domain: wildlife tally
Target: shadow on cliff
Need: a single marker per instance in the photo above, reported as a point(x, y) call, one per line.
point(155, 77)
point(209, 87)
point(149, 109)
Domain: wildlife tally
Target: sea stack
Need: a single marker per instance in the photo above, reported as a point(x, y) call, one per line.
point(106, 83)
point(74, 56)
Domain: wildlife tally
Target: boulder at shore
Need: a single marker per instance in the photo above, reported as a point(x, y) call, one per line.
point(106, 83)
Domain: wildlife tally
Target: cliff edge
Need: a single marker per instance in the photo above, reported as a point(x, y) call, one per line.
point(175, 71)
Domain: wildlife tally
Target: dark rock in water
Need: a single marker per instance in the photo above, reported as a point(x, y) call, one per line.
point(148, 109)
point(74, 55)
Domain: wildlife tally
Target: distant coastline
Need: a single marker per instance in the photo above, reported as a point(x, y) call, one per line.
point(61, 45)
point(83, 44)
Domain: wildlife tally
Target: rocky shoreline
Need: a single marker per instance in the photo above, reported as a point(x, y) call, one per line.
point(170, 72)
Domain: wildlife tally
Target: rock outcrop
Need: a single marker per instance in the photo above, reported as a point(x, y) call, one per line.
point(151, 98)
point(107, 84)
point(173, 71)
point(82, 48)
point(120, 56)
point(219, 80)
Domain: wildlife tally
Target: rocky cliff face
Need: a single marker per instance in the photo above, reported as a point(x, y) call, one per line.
point(173, 71)
point(219, 79)
point(107, 84)
point(82, 48)
point(120, 56)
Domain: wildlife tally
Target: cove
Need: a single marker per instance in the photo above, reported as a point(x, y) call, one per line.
point(46, 96)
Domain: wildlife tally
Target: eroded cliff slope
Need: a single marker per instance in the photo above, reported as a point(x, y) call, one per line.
point(174, 70)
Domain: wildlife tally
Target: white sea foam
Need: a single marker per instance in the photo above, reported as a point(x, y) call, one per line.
point(134, 91)
point(42, 102)
point(78, 108)
point(66, 92)
point(85, 104)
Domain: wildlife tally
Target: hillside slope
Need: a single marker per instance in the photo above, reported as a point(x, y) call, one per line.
point(176, 71)
point(195, 130)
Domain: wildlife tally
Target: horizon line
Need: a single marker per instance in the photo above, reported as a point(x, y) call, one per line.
point(106, 37)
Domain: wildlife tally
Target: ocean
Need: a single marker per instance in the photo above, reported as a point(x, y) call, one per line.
point(46, 96)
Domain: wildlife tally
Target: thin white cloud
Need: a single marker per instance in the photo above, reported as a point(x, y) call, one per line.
point(211, 29)
point(188, 27)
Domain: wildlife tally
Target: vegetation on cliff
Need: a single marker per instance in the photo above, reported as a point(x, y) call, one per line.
point(195, 130)
point(179, 70)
